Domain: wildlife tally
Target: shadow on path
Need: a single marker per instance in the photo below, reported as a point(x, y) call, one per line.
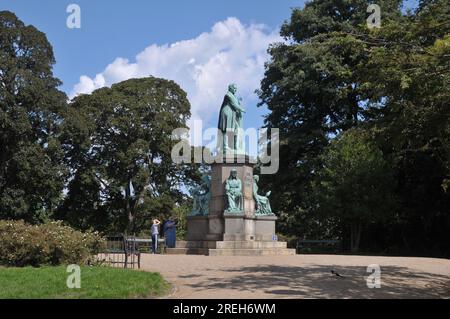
point(316, 281)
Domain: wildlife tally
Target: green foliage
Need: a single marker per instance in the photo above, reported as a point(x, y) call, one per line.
point(32, 173)
point(96, 282)
point(355, 186)
point(335, 74)
point(52, 243)
point(118, 144)
point(180, 213)
point(110, 150)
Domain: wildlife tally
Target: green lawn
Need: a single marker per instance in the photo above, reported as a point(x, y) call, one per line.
point(96, 282)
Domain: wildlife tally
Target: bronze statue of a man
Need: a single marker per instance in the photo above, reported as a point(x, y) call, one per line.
point(231, 120)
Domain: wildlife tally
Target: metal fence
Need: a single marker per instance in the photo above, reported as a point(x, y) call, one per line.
point(120, 251)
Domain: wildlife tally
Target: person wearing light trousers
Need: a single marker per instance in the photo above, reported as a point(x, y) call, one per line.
point(155, 235)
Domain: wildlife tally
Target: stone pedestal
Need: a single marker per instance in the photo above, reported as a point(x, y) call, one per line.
point(213, 226)
point(234, 227)
point(220, 173)
point(198, 227)
point(243, 227)
point(265, 227)
point(204, 228)
point(222, 233)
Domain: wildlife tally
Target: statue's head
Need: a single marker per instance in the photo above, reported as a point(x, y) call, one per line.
point(232, 88)
point(256, 178)
point(233, 173)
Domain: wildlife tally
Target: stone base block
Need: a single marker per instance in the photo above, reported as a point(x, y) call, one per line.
point(231, 248)
point(251, 252)
point(265, 227)
point(241, 227)
point(198, 227)
point(204, 228)
point(234, 226)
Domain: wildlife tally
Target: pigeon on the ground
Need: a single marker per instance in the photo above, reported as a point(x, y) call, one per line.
point(335, 273)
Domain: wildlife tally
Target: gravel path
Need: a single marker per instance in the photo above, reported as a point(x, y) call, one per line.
point(300, 276)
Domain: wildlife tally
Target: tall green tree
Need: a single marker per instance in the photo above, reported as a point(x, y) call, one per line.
point(355, 187)
point(118, 144)
point(31, 169)
point(333, 74)
point(413, 127)
point(314, 89)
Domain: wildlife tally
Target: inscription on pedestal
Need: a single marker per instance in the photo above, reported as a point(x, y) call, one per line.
point(248, 179)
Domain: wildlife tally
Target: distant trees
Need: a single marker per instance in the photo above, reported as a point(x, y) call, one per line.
point(117, 143)
point(101, 161)
point(335, 74)
point(355, 187)
point(32, 172)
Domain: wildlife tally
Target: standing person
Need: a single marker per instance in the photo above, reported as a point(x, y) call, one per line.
point(170, 232)
point(155, 233)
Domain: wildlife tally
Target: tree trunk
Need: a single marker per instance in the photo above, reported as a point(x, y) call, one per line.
point(355, 236)
point(129, 208)
point(351, 238)
point(358, 236)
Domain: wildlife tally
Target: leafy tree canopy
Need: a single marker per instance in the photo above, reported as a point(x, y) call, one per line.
point(118, 144)
point(332, 74)
point(31, 169)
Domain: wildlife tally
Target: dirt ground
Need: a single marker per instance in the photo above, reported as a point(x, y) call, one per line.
point(300, 276)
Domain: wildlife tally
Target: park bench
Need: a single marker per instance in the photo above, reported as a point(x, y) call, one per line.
point(313, 245)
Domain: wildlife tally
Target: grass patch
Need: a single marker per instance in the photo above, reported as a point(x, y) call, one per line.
point(96, 282)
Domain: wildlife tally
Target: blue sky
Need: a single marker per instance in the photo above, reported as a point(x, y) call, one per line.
point(122, 39)
point(124, 28)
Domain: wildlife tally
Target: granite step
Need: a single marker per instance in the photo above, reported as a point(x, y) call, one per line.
point(250, 244)
point(232, 244)
point(231, 251)
point(187, 251)
point(252, 252)
point(196, 244)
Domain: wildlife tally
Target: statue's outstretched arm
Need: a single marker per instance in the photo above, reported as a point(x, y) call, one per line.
point(235, 104)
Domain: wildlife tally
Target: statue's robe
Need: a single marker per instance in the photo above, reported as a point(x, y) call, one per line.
point(233, 188)
point(228, 119)
point(262, 202)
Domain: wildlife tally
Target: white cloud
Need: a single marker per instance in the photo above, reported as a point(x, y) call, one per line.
point(203, 66)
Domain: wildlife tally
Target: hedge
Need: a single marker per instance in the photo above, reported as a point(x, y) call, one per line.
point(52, 243)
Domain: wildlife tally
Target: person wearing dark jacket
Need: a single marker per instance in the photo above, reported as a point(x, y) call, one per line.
point(170, 232)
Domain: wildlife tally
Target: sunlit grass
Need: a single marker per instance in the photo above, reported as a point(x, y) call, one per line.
point(96, 282)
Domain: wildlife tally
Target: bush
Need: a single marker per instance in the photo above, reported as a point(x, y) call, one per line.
point(52, 243)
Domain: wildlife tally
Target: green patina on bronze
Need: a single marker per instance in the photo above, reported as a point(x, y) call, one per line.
point(233, 190)
point(201, 196)
point(231, 122)
point(262, 202)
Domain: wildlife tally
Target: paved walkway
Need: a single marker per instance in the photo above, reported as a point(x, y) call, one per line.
point(300, 276)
